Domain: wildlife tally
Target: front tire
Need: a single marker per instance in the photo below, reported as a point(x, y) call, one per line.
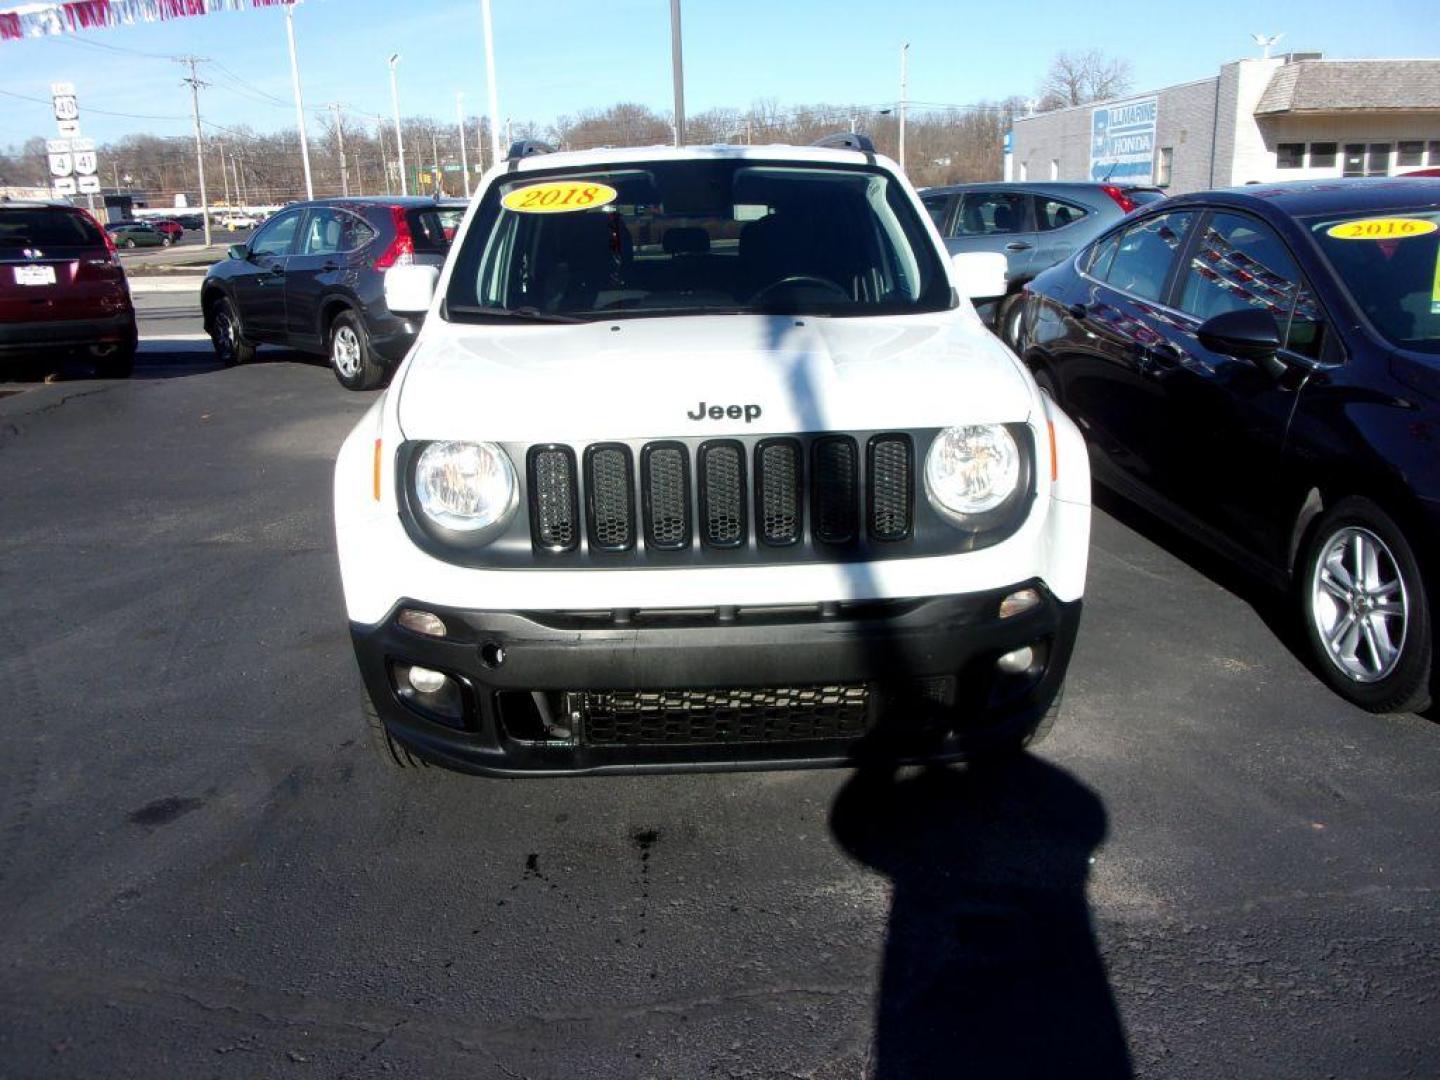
point(393, 756)
point(1007, 320)
point(351, 357)
point(227, 337)
point(1365, 610)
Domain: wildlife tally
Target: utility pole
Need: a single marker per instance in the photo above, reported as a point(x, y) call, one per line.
point(904, 55)
point(224, 175)
point(384, 158)
point(460, 119)
point(399, 138)
point(335, 107)
point(434, 168)
point(299, 100)
point(677, 64)
point(235, 175)
point(195, 84)
point(490, 83)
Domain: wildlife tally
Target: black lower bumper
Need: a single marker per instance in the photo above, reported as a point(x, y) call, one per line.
point(68, 333)
point(924, 673)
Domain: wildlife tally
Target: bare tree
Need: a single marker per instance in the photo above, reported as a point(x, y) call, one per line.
point(1078, 78)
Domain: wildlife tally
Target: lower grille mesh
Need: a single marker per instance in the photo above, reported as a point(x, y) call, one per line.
point(678, 717)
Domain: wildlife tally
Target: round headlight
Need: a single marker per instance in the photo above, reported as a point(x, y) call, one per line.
point(972, 470)
point(465, 486)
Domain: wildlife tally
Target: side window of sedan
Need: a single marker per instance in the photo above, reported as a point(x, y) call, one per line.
point(1146, 254)
point(275, 238)
point(1238, 263)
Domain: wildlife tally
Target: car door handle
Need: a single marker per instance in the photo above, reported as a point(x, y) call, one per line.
point(1076, 311)
point(1018, 245)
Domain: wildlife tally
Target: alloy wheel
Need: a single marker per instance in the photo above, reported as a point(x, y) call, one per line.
point(1360, 604)
point(345, 352)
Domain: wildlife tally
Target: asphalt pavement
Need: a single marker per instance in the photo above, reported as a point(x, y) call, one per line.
point(1212, 868)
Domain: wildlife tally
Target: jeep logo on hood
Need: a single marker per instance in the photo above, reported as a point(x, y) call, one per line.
point(704, 411)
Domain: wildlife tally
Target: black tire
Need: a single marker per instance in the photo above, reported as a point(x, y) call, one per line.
point(1007, 320)
point(119, 364)
point(1326, 601)
point(1046, 382)
point(128, 242)
point(228, 336)
point(351, 358)
point(393, 756)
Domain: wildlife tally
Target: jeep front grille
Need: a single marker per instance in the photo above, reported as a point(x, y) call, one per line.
point(677, 717)
point(745, 497)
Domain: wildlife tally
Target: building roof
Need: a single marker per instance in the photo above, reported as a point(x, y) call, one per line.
point(1345, 85)
point(1300, 198)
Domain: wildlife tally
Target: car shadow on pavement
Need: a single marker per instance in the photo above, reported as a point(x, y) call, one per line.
point(990, 966)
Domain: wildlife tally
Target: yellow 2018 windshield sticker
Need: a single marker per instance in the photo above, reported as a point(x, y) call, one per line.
point(559, 197)
point(1381, 228)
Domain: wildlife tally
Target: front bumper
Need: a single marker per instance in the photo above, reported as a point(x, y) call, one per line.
point(68, 333)
point(932, 689)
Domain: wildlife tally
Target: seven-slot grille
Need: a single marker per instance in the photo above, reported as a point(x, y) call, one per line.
point(669, 495)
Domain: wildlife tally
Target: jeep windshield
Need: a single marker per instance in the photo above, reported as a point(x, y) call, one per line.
point(696, 237)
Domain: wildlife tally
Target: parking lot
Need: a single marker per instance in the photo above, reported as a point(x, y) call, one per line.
point(1212, 868)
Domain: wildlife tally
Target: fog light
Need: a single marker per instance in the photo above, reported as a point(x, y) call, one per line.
point(1019, 602)
point(421, 622)
point(425, 681)
point(1012, 663)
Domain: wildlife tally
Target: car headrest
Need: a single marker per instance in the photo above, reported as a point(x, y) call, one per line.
point(686, 240)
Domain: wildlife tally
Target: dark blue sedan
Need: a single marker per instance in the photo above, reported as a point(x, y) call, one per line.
point(1261, 367)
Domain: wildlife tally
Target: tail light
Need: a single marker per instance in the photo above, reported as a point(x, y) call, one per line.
point(1122, 200)
point(401, 249)
point(106, 269)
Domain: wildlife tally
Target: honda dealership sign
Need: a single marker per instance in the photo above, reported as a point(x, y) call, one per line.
point(1122, 141)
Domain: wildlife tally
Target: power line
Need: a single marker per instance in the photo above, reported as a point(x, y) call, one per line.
point(91, 109)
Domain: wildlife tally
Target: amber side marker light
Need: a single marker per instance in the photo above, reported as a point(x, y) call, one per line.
point(375, 490)
point(1054, 457)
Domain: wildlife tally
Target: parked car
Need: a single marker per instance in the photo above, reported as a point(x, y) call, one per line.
point(312, 278)
point(168, 227)
point(1262, 367)
point(699, 462)
point(191, 222)
point(62, 287)
point(1033, 225)
point(133, 234)
point(239, 222)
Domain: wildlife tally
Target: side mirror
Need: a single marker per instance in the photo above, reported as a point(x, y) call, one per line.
point(1249, 334)
point(238, 251)
point(979, 275)
point(409, 289)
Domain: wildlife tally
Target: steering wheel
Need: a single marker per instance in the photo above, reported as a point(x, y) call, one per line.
point(790, 281)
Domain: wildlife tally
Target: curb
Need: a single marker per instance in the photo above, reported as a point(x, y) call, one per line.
point(188, 283)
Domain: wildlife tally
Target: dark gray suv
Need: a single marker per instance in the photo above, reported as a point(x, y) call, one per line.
point(1034, 226)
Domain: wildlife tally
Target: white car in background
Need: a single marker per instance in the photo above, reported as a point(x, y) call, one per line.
point(703, 460)
point(238, 222)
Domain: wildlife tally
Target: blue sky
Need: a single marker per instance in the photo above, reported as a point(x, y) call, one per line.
point(569, 55)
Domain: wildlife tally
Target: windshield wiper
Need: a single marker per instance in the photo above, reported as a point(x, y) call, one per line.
point(465, 312)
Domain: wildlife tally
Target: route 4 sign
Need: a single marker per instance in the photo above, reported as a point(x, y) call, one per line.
point(62, 164)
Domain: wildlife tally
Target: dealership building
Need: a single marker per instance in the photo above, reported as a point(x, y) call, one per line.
point(1258, 121)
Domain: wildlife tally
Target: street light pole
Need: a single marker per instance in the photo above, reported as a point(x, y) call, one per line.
point(460, 119)
point(299, 100)
point(399, 138)
point(677, 65)
point(334, 107)
point(904, 55)
point(490, 83)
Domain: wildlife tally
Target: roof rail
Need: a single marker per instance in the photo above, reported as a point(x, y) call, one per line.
point(523, 148)
point(846, 140)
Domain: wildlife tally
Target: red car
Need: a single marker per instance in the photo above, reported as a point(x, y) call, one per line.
point(173, 229)
point(62, 288)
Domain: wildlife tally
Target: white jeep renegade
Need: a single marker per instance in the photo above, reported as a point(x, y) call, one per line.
point(703, 460)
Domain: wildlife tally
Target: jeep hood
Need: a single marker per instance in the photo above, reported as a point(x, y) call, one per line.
point(644, 378)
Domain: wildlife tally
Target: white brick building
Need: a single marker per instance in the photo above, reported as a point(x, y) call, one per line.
point(1287, 118)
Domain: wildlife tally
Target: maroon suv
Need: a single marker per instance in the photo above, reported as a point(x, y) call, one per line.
point(62, 287)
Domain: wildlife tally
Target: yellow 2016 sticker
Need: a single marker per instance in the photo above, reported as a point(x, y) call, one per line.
point(1381, 228)
point(559, 197)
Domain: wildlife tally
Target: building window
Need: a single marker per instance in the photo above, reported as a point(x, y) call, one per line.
point(1434, 152)
point(1290, 155)
point(1054, 168)
point(1409, 153)
point(1378, 160)
point(1322, 155)
point(1354, 159)
point(1164, 165)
